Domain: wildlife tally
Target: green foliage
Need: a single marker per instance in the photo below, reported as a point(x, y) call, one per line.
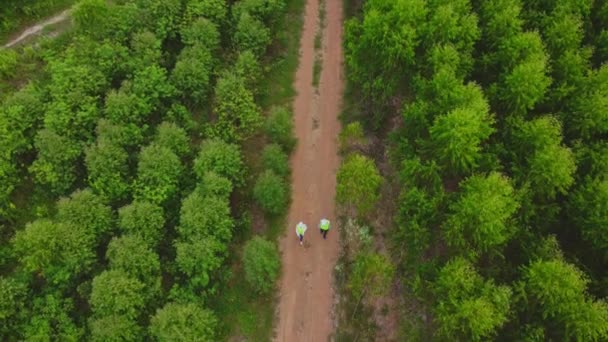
point(274, 159)
point(247, 67)
point(469, 307)
point(107, 169)
point(271, 193)
point(145, 50)
point(351, 136)
point(548, 166)
point(203, 216)
point(114, 328)
point(266, 10)
point(143, 219)
point(588, 211)
point(183, 322)
point(197, 259)
point(171, 136)
point(261, 262)
point(8, 62)
point(214, 10)
point(192, 72)
point(589, 114)
point(222, 158)
point(557, 290)
point(158, 173)
point(371, 275)
point(358, 184)
point(238, 117)
point(251, 34)
point(131, 255)
point(57, 252)
point(481, 218)
point(55, 165)
point(212, 184)
point(525, 85)
point(87, 210)
point(202, 33)
point(279, 128)
point(115, 293)
point(375, 39)
point(457, 136)
point(12, 300)
point(50, 320)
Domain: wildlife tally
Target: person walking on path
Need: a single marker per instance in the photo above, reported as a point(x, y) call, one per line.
point(324, 227)
point(300, 230)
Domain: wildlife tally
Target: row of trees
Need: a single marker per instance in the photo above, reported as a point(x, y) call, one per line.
point(501, 143)
point(137, 248)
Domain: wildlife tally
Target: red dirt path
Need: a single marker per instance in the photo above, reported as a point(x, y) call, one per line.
point(306, 288)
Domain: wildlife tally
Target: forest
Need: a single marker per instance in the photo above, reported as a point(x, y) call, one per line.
point(488, 121)
point(138, 150)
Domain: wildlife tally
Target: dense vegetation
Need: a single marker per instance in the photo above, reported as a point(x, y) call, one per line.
point(123, 176)
point(495, 118)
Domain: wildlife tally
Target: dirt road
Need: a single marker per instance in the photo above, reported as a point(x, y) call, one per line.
point(36, 29)
point(306, 288)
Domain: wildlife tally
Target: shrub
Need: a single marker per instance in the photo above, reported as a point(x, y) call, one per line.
point(261, 263)
point(351, 136)
point(270, 192)
point(358, 184)
point(274, 159)
point(279, 127)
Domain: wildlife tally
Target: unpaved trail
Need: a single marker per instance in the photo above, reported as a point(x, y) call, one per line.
point(36, 29)
point(306, 291)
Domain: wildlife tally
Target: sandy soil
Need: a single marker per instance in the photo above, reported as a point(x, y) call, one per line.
point(305, 311)
point(37, 29)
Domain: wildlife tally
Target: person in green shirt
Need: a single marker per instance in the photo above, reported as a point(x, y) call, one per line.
point(300, 230)
point(324, 227)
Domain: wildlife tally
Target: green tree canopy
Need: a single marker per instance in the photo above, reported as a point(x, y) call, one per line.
point(271, 193)
point(469, 307)
point(55, 165)
point(222, 158)
point(481, 217)
point(183, 322)
point(85, 209)
point(143, 219)
point(238, 117)
point(548, 165)
point(279, 128)
point(556, 290)
point(115, 293)
point(58, 252)
point(158, 173)
point(133, 256)
point(457, 138)
point(173, 137)
point(107, 168)
point(261, 262)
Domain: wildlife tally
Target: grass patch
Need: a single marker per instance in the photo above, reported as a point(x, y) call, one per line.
point(318, 64)
point(242, 313)
point(316, 71)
